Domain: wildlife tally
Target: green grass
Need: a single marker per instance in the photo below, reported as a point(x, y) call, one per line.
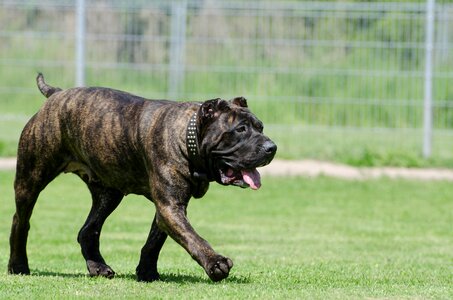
point(361, 147)
point(294, 238)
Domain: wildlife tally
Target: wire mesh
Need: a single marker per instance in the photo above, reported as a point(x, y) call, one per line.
point(350, 73)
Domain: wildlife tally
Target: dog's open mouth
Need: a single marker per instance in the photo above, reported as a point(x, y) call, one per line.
point(243, 178)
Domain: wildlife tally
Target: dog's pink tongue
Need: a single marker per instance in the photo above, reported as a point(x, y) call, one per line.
point(252, 178)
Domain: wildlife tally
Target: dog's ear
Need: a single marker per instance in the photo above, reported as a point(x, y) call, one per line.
point(240, 101)
point(212, 108)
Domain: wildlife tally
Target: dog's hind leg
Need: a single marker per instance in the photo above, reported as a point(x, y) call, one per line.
point(105, 200)
point(32, 175)
point(147, 267)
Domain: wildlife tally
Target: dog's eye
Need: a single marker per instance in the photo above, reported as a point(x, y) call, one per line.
point(241, 128)
point(260, 128)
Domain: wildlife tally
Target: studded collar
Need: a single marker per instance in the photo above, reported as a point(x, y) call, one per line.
point(197, 165)
point(191, 136)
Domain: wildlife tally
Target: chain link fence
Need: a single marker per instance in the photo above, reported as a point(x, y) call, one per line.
point(331, 80)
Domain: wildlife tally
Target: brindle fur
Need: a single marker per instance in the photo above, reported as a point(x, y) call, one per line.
point(118, 144)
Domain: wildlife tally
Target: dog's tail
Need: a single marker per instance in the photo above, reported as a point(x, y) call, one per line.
point(46, 89)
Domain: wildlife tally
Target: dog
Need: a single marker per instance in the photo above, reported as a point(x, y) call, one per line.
point(119, 144)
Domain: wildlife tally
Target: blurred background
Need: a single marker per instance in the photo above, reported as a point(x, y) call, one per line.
point(360, 82)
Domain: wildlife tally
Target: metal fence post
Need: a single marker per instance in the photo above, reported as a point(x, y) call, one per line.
point(177, 47)
point(80, 43)
point(428, 101)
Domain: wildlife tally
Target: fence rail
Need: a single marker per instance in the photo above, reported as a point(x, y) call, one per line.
point(309, 69)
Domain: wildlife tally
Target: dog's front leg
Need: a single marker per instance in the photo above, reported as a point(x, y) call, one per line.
point(147, 267)
point(172, 218)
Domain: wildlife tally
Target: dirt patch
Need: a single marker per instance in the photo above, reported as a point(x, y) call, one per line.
point(7, 163)
point(314, 168)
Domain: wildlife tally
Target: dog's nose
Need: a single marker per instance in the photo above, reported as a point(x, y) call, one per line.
point(270, 147)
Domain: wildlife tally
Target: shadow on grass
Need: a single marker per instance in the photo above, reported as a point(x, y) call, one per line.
point(169, 278)
point(57, 274)
point(185, 279)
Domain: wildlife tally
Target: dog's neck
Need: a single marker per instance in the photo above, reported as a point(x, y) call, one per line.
point(197, 165)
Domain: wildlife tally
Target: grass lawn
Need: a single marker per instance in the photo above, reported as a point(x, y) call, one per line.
point(294, 238)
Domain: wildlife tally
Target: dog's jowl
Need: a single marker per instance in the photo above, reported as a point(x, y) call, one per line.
point(118, 144)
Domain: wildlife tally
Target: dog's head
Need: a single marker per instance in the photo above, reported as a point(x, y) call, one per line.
point(232, 139)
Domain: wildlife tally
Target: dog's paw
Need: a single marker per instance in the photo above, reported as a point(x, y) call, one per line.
point(18, 269)
point(99, 269)
point(219, 268)
point(147, 275)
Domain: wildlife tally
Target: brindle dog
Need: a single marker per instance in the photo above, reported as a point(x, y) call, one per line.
point(118, 144)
